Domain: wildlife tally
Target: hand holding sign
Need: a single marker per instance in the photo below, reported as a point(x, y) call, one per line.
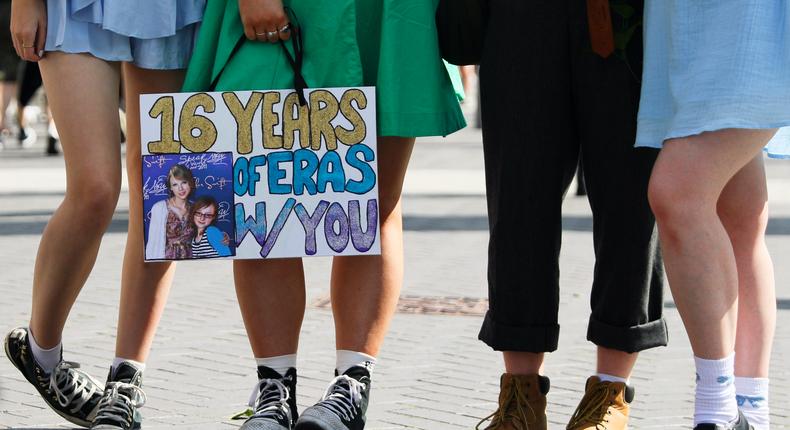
point(264, 20)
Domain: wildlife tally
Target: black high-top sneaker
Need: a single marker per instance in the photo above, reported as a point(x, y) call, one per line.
point(739, 424)
point(273, 401)
point(343, 406)
point(70, 392)
point(122, 397)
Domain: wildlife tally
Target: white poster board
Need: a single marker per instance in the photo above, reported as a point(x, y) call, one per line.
point(285, 179)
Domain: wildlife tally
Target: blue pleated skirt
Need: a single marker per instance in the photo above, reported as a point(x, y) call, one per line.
point(152, 34)
point(715, 64)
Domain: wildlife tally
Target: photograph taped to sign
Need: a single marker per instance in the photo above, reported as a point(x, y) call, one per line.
point(255, 174)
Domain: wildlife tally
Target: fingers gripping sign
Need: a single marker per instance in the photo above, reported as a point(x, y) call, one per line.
point(264, 20)
point(29, 28)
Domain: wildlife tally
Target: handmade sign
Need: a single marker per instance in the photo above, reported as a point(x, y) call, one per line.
point(260, 174)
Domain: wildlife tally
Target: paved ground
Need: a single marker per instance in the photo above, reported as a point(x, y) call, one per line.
point(433, 373)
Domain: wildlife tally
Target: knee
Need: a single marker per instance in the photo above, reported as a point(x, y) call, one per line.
point(95, 202)
point(668, 200)
point(745, 220)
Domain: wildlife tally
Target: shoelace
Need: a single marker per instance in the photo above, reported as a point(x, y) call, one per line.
point(118, 403)
point(593, 408)
point(270, 399)
point(343, 396)
point(505, 410)
point(71, 387)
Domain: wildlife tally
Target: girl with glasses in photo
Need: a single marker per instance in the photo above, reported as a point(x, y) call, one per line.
point(208, 241)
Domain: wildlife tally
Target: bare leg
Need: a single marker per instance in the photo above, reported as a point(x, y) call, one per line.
point(523, 363)
point(144, 286)
point(272, 300)
point(467, 74)
point(83, 94)
point(610, 361)
point(6, 92)
point(365, 289)
point(616, 363)
point(687, 182)
point(743, 209)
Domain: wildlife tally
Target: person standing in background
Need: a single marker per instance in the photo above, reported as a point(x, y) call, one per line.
point(9, 65)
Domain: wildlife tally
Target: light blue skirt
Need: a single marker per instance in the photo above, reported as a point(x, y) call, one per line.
point(152, 34)
point(779, 147)
point(715, 64)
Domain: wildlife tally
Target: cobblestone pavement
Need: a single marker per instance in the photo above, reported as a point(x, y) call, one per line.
point(433, 373)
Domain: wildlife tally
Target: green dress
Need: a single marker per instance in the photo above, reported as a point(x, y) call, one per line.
point(389, 44)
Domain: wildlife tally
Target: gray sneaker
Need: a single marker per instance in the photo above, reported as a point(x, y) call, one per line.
point(273, 401)
point(118, 408)
point(739, 424)
point(343, 406)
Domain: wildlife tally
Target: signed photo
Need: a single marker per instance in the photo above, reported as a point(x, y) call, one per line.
point(188, 204)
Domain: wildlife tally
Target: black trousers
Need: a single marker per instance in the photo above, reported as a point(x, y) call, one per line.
point(548, 100)
point(29, 81)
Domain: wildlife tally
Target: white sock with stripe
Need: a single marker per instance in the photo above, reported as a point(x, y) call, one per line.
point(752, 397)
point(714, 401)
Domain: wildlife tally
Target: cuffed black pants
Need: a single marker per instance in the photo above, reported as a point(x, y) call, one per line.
point(548, 100)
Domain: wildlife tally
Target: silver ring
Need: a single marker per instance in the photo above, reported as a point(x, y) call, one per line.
point(286, 28)
point(260, 34)
point(271, 34)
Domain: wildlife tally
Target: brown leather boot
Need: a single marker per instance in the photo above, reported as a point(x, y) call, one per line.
point(605, 406)
point(522, 404)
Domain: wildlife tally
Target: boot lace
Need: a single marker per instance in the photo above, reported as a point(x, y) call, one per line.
point(593, 408)
point(119, 402)
point(343, 396)
point(269, 399)
point(514, 410)
point(72, 388)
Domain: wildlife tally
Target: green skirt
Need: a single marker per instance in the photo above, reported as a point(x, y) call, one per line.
point(389, 44)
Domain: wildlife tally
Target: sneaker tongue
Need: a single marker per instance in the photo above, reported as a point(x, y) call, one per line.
point(357, 372)
point(126, 372)
point(265, 372)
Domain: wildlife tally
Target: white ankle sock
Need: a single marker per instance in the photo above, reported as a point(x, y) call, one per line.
point(46, 358)
point(715, 396)
point(752, 397)
point(280, 363)
point(605, 377)
point(347, 359)
point(118, 360)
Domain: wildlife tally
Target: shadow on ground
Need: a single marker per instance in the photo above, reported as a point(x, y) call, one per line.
point(422, 223)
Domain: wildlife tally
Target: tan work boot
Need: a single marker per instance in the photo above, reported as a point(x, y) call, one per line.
point(605, 406)
point(522, 403)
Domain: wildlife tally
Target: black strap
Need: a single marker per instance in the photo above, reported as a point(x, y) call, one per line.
point(213, 86)
point(296, 60)
point(296, 63)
